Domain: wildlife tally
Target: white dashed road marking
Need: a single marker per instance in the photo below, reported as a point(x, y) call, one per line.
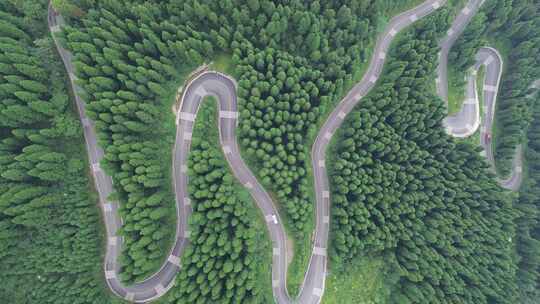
point(187, 116)
point(270, 218)
point(319, 251)
point(327, 135)
point(228, 114)
point(107, 207)
point(174, 260)
point(110, 274)
point(325, 194)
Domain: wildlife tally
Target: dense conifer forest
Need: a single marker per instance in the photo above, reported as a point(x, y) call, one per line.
point(512, 26)
point(528, 222)
point(400, 186)
point(228, 261)
point(403, 186)
point(124, 56)
point(50, 235)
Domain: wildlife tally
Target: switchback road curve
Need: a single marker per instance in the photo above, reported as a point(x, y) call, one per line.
point(224, 89)
point(467, 121)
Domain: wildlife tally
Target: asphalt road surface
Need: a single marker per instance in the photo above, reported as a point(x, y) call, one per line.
point(467, 121)
point(224, 89)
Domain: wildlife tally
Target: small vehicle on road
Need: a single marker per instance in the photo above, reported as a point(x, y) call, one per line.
point(274, 219)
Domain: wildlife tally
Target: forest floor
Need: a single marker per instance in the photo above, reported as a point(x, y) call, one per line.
point(223, 63)
point(456, 90)
point(361, 283)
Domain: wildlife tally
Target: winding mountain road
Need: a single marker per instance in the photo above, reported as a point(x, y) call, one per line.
point(467, 121)
point(224, 89)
